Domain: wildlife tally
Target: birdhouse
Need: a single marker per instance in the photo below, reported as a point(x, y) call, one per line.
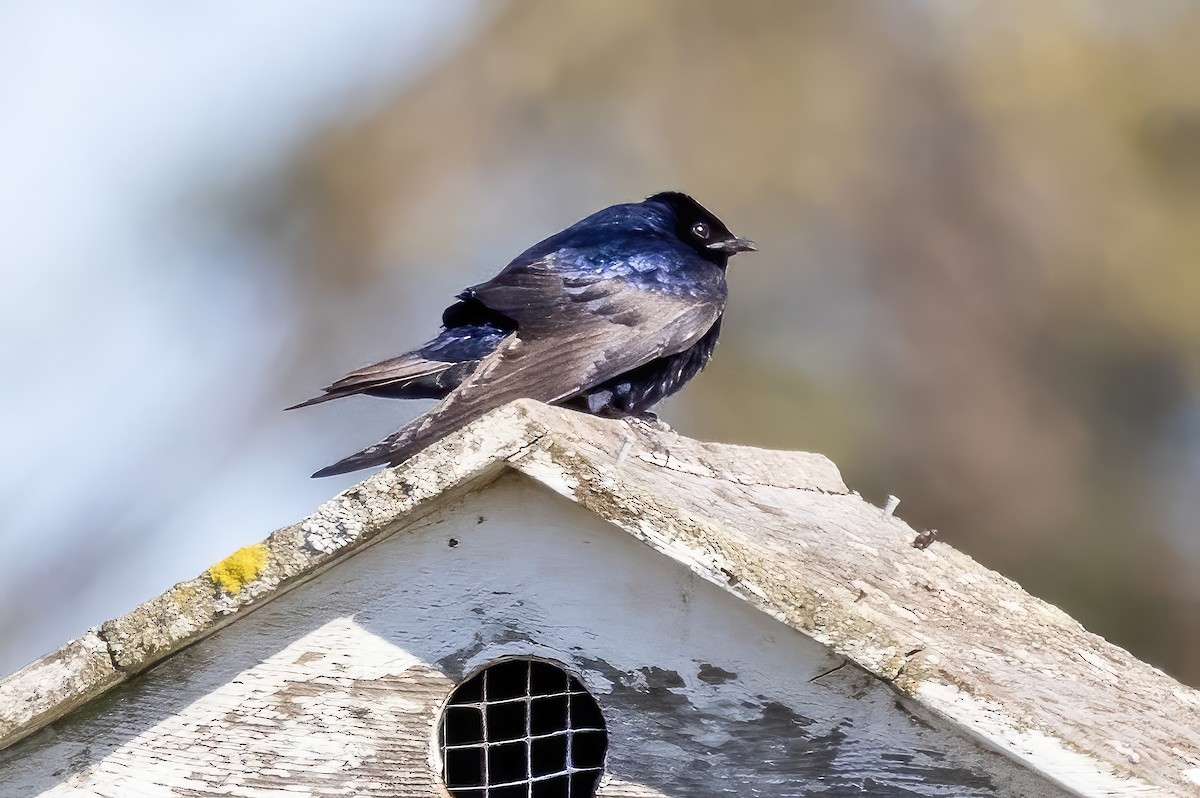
point(550, 604)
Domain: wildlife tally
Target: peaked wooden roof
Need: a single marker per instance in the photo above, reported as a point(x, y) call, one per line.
point(777, 529)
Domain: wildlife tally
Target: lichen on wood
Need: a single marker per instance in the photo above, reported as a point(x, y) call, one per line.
point(778, 530)
point(244, 565)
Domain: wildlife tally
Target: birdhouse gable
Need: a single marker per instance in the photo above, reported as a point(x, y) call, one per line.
point(547, 598)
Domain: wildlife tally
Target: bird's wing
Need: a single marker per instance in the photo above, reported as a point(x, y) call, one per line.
point(546, 293)
point(395, 370)
point(575, 333)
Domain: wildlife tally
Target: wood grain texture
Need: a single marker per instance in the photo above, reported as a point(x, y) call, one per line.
point(962, 640)
point(334, 688)
point(56, 684)
point(776, 529)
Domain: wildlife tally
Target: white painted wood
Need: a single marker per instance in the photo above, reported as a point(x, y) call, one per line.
point(778, 530)
point(964, 641)
point(334, 688)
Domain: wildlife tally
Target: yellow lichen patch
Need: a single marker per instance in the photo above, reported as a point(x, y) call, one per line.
point(244, 565)
point(182, 595)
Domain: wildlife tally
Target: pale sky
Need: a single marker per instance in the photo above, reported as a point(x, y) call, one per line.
point(117, 322)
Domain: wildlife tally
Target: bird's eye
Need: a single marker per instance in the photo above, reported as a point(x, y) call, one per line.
point(700, 230)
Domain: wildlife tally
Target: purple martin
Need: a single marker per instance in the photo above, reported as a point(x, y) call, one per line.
point(609, 316)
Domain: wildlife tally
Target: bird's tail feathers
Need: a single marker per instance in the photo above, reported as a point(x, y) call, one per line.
point(410, 439)
point(372, 456)
point(316, 400)
point(495, 382)
point(388, 377)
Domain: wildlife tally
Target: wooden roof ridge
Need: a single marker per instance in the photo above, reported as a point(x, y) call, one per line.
point(777, 529)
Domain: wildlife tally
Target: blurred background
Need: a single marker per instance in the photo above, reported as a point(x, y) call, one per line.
point(977, 285)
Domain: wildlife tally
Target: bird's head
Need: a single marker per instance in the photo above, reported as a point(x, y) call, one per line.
point(699, 228)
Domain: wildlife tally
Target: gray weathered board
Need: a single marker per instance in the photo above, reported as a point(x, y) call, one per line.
point(853, 659)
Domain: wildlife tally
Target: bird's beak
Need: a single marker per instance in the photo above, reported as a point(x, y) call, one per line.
point(732, 246)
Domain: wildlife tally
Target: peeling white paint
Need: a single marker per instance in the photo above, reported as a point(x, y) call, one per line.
point(317, 692)
point(1187, 696)
point(768, 527)
point(540, 466)
point(1070, 768)
point(1133, 756)
point(191, 738)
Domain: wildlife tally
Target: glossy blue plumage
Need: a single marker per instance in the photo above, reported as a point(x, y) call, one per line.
point(639, 243)
point(468, 342)
point(609, 316)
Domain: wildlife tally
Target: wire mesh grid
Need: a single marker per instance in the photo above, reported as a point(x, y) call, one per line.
point(522, 729)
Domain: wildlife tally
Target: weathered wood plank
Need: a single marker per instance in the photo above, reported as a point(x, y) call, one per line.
point(191, 610)
point(776, 529)
point(47, 689)
point(334, 689)
point(962, 640)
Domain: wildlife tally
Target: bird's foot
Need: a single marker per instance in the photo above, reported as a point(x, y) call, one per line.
point(648, 422)
point(643, 425)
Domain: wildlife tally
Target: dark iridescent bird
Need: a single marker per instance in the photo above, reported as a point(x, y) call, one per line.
point(609, 316)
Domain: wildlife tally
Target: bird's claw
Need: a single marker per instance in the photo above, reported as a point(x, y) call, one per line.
point(648, 423)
